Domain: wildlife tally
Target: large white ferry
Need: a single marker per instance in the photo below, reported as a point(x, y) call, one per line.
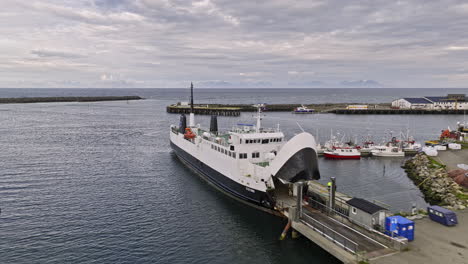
point(249, 162)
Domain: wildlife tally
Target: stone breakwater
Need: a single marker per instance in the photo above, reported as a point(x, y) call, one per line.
point(28, 100)
point(434, 182)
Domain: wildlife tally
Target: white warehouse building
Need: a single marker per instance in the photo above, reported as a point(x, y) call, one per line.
point(449, 102)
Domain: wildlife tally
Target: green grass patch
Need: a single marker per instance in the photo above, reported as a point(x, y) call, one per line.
point(462, 196)
point(435, 164)
point(401, 213)
point(422, 212)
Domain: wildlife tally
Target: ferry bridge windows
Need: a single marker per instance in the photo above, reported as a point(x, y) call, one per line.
point(231, 154)
point(255, 155)
point(262, 141)
point(242, 155)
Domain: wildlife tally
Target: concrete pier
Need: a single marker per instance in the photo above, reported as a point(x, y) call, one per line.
point(336, 108)
point(332, 231)
point(209, 109)
point(389, 111)
point(204, 110)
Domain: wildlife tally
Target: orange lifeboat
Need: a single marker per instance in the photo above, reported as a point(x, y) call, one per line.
point(189, 134)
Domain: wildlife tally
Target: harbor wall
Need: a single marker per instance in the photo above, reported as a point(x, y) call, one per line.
point(26, 100)
point(336, 108)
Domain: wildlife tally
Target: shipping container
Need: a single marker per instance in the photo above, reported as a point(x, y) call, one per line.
point(399, 226)
point(442, 215)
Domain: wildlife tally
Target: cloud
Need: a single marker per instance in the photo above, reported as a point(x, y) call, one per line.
point(225, 43)
point(87, 15)
point(254, 74)
point(457, 48)
point(56, 54)
point(107, 77)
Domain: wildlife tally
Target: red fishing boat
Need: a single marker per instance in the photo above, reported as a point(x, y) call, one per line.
point(342, 153)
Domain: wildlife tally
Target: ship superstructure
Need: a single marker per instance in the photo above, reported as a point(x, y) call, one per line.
point(248, 162)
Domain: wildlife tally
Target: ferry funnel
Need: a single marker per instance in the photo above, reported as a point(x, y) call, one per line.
point(182, 123)
point(214, 124)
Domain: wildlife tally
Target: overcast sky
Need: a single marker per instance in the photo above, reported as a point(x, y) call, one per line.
point(233, 43)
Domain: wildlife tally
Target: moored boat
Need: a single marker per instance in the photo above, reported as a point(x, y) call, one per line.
point(303, 110)
point(342, 153)
point(387, 151)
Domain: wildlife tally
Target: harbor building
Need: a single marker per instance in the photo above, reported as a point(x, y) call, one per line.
point(412, 103)
point(449, 102)
point(367, 214)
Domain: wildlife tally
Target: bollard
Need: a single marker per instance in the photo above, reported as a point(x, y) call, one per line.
point(285, 231)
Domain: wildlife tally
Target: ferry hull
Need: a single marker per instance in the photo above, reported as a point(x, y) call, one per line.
point(232, 188)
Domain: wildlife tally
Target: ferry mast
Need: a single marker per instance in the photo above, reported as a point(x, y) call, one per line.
point(192, 115)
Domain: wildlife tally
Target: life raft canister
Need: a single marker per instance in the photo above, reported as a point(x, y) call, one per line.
point(188, 133)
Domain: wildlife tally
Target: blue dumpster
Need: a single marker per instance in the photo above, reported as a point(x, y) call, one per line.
point(442, 215)
point(399, 226)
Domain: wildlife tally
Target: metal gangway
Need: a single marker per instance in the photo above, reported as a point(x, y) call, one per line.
point(346, 241)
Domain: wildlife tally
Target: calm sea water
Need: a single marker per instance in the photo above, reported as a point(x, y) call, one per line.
point(98, 183)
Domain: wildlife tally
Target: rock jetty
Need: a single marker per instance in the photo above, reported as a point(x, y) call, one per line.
point(27, 100)
point(435, 183)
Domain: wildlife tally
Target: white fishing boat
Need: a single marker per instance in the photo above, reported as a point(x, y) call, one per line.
point(387, 151)
point(248, 162)
point(367, 146)
point(409, 145)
